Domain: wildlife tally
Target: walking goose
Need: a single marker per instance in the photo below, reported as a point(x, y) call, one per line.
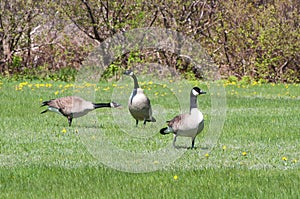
point(187, 125)
point(74, 107)
point(139, 104)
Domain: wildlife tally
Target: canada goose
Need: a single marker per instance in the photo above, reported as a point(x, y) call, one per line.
point(73, 107)
point(139, 104)
point(187, 125)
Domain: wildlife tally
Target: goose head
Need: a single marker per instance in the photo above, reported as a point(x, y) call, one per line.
point(197, 91)
point(129, 73)
point(115, 105)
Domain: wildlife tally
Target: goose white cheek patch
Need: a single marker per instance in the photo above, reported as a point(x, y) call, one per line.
point(195, 92)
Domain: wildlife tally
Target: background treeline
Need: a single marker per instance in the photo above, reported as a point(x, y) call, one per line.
point(255, 39)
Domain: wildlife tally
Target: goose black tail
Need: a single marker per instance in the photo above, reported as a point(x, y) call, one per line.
point(45, 103)
point(44, 111)
point(163, 131)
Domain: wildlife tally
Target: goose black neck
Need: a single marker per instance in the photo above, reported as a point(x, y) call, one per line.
point(135, 81)
point(101, 105)
point(193, 101)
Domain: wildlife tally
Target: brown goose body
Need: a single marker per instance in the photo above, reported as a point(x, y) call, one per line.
point(73, 106)
point(189, 124)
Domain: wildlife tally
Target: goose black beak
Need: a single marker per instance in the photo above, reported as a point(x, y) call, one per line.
point(202, 92)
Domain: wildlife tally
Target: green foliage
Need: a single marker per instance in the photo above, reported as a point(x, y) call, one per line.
point(16, 62)
point(66, 74)
point(246, 80)
point(259, 39)
point(111, 71)
point(232, 79)
point(41, 73)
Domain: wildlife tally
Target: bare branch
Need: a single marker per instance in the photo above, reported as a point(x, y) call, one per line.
point(93, 21)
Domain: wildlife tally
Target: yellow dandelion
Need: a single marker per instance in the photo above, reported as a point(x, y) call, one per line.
point(114, 85)
point(254, 83)
point(224, 148)
point(87, 84)
point(164, 86)
point(23, 84)
point(244, 153)
point(294, 161)
point(156, 162)
point(175, 177)
point(284, 158)
point(106, 89)
point(142, 83)
point(64, 130)
point(68, 86)
point(56, 92)
point(156, 93)
point(48, 85)
point(206, 155)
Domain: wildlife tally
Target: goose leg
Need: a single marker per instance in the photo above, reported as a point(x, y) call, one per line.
point(145, 121)
point(193, 142)
point(136, 123)
point(174, 140)
point(70, 120)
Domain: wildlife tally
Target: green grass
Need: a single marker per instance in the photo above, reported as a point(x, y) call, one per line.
point(256, 156)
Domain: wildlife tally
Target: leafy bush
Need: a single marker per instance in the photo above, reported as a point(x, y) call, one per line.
point(256, 39)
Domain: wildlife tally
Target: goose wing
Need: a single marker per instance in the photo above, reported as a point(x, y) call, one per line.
point(64, 104)
point(177, 121)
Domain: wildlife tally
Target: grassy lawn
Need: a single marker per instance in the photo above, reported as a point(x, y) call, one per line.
point(256, 156)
